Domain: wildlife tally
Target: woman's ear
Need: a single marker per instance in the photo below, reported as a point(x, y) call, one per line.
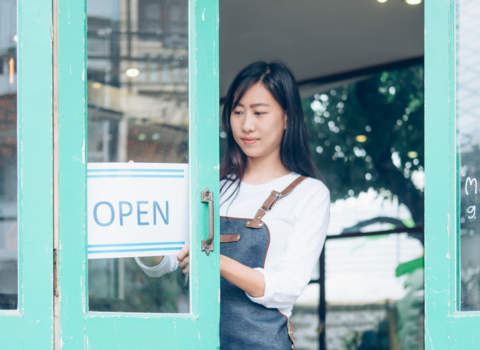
point(285, 118)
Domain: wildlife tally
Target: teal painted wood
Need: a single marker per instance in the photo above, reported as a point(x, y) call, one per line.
point(72, 263)
point(31, 327)
point(445, 327)
point(96, 330)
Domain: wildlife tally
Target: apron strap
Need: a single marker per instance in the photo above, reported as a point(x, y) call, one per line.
point(256, 222)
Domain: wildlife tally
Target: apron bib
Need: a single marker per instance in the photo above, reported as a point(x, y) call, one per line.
point(245, 325)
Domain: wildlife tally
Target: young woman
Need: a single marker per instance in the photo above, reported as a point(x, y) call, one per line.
point(270, 243)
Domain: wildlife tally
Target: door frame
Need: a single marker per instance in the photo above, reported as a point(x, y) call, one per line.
point(445, 326)
point(31, 326)
point(76, 326)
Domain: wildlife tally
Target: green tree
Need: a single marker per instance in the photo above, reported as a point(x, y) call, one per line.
point(369, 134)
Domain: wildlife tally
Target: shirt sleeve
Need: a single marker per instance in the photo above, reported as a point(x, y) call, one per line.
point(287, 281)
point(167, 265)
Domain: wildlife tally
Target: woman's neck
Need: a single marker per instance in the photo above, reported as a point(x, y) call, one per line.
point(261, 170)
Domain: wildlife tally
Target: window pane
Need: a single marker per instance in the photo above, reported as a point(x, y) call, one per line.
point(468, 109)
point(8, 155)
point(138, 111)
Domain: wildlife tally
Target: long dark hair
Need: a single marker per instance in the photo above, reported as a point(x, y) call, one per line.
point(294, 150)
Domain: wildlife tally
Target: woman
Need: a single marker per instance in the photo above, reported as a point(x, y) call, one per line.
point(269, 244)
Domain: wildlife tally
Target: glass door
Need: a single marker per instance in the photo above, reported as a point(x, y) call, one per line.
point(26, 210)
point(452, 271)
point(137, 148)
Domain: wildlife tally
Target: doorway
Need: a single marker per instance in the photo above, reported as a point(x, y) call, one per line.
point(359, 67)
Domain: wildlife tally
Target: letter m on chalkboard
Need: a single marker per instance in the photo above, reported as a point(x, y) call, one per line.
point(164, 217)
point(469, 182)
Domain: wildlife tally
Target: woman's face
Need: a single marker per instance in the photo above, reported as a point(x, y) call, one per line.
point(258, 122)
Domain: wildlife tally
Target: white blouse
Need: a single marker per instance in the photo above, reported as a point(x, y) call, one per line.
point(298, 226)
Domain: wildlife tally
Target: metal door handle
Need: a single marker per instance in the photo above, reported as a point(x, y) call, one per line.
point(207, 245)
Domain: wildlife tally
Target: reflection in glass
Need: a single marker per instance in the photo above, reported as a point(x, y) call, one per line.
point(8, 155)
point(468, 112)
point(137, 110)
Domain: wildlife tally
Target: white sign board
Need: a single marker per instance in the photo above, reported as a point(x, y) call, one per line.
point(137, 209)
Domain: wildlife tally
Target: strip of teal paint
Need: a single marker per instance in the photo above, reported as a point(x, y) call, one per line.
point(437, 162)
point(72, 148)
point(31, 327)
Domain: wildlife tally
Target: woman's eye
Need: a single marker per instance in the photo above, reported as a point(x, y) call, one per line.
point(259, 113)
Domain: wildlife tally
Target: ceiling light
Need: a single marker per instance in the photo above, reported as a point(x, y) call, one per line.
point(132, 72)
point(382, 1)
point(413, 2)
point(361, 138)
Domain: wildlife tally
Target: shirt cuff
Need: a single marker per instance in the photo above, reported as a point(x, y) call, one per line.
point(157, 270)
point(269, 289)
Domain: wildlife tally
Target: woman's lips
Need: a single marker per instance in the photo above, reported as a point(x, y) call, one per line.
point(249, 141)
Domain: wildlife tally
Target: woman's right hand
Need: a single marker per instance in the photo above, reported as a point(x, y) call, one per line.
point(183, 258)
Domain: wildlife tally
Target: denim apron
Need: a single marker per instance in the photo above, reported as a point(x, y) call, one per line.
point(245, 325)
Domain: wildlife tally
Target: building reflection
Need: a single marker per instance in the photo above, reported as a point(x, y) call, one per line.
point(138, 81)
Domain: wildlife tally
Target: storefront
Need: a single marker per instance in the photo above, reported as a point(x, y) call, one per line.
point(149, 93)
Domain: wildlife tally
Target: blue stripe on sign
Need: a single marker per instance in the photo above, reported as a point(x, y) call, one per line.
point(136, 170)
point(126, 175)
point(131, 250)
point(131, 244)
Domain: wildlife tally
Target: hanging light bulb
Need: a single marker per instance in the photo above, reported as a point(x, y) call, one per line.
point(382, 1)
point(413, 2)
point(11, 66)
point(132, 72)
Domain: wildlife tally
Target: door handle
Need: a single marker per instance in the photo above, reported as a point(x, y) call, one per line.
point(207, 245)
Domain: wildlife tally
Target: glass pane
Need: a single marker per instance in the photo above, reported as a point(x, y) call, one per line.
point(137, 111)
point(468, 111)
point(8, 155)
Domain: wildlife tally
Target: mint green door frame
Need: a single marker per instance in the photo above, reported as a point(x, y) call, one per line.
point(31, 325)
point(79, 328)
point(445, 326)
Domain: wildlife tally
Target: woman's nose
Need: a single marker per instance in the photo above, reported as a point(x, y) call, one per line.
point(248, 123)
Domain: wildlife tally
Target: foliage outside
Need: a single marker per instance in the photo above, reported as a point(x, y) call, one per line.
point(369, 134)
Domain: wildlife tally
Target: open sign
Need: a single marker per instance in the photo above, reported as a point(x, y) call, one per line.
point(137, 209)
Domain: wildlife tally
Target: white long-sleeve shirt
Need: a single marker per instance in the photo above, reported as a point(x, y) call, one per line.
point(297, 224)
